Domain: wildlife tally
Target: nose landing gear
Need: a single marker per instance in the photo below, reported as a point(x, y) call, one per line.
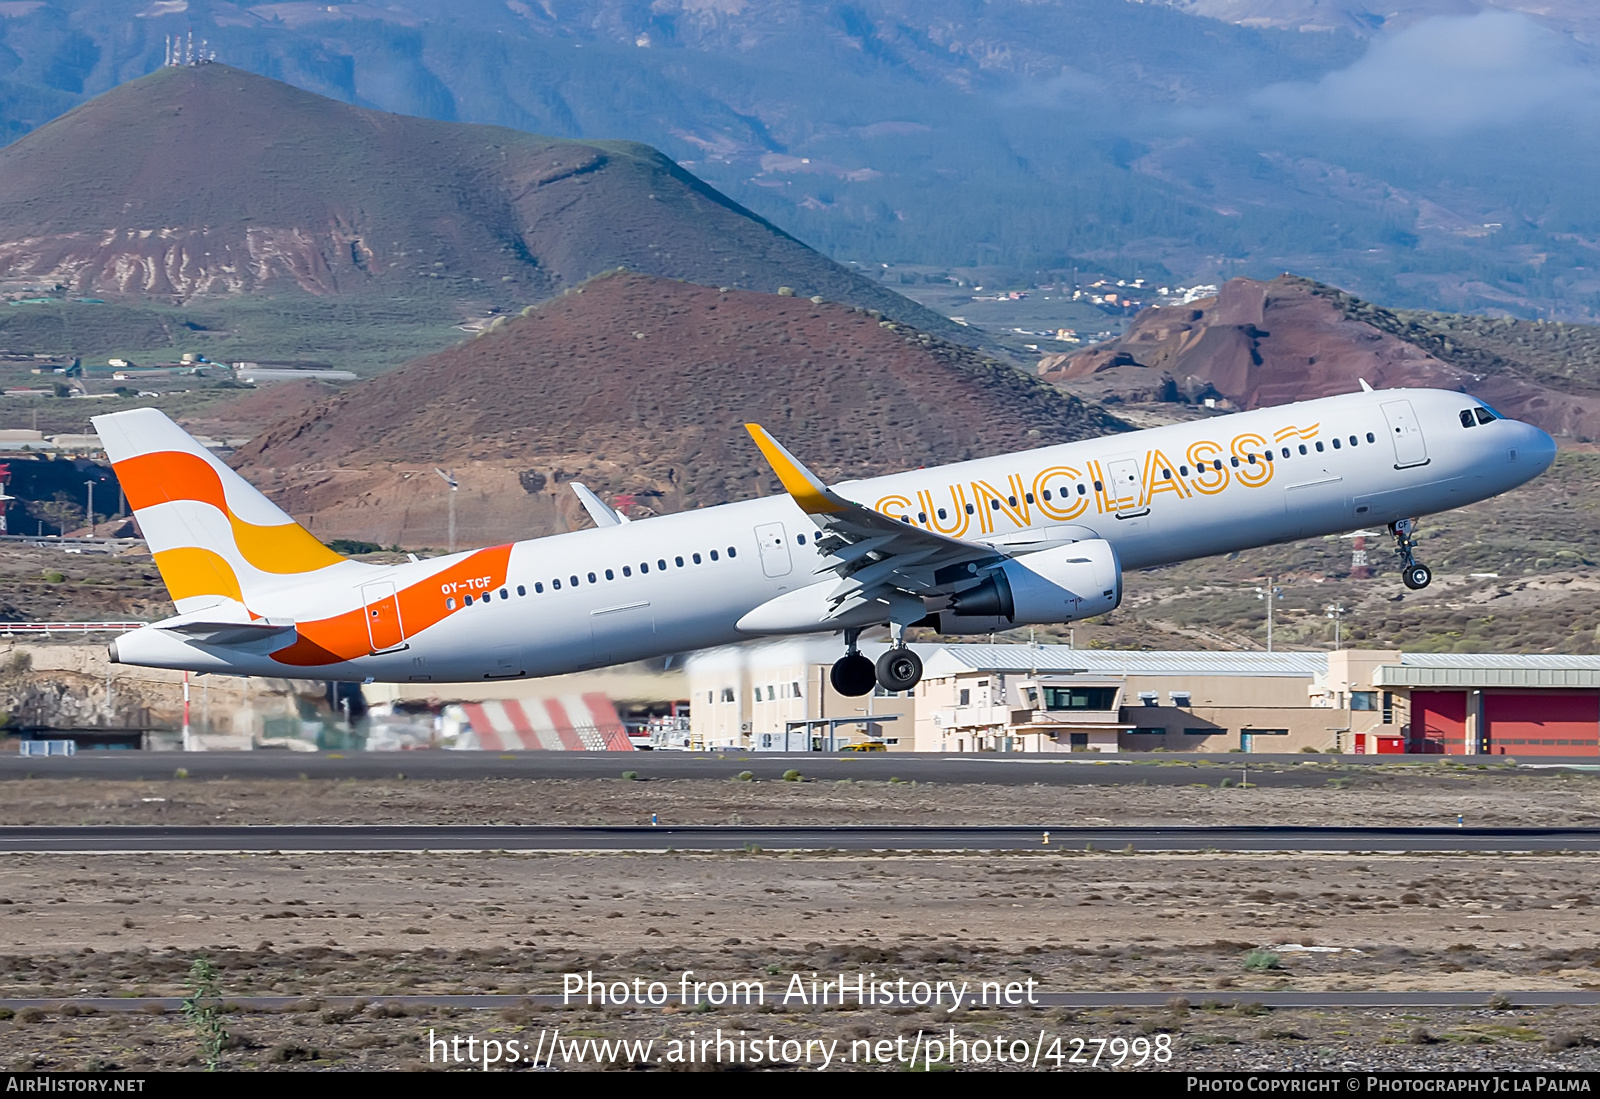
point(1413, 574)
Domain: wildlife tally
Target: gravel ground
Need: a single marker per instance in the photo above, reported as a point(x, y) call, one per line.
point(1348, 796)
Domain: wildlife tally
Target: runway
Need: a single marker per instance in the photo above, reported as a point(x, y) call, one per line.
point(993, 768)
point(538, 838)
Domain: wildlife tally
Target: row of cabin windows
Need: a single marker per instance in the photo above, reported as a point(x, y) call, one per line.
point(574, 580)
point(1166, 474)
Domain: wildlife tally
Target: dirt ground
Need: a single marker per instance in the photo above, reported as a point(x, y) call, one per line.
point(1344, 796)
point(1206, 928)
point(381, 925)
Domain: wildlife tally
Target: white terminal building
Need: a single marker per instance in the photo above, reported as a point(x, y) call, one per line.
point(775, 696)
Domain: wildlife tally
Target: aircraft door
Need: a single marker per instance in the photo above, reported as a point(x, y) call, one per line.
point(1122, 488)
point(774, 548)
point(384, 629)
point(1410, 449)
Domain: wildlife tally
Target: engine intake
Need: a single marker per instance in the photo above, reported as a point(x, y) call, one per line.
point(1064, 584)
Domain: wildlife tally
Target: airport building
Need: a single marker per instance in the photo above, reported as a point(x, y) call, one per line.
point(1051, 698)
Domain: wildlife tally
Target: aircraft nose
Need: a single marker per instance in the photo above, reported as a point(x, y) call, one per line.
point(1540, 448)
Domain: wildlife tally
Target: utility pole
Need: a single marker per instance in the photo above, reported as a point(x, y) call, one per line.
point(450, 479)
point(1335, 611)
point(1270, 594)
point(91, 507)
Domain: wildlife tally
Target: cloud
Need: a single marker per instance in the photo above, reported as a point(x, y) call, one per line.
point(1448, 75)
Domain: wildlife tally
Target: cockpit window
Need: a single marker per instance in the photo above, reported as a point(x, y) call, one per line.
point(1485, 415)
point(1466, 417)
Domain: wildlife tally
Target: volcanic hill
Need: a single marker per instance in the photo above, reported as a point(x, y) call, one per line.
point(204, 181)
point(638, 386)
point(1290, 339)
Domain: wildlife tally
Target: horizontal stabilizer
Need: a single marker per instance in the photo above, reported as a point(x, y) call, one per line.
point(229, 633)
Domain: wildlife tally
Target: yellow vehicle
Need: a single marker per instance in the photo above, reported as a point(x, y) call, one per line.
point(866, 746)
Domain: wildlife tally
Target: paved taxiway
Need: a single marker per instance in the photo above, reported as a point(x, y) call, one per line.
point(1000, 769)
point(1045, 837)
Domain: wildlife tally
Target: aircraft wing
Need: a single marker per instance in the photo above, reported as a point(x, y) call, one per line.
point(874, 557)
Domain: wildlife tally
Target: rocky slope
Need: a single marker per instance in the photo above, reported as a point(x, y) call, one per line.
point(1266, 343)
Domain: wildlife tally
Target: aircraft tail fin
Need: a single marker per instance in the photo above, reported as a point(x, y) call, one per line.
point(214, 537)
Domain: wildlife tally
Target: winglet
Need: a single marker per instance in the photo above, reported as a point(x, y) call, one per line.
point(602, 515)
point(814, 497)
point(1365, 388)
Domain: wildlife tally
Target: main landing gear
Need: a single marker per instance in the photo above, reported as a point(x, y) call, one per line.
point(1413, 573)
point(854, 675)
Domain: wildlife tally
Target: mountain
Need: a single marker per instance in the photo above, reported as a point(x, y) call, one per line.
point(638, 387)
point(1439, 159)
point(205, 181)
point(1290, 339)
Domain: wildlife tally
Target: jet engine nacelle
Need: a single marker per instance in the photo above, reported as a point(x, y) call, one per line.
point(1064, 584)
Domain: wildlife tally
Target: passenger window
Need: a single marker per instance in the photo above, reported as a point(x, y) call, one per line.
point(1234, 461)
point(610, 575)
point(574, 581)
point(1466, 418)
point(1302, 448)
point(538, 589)
point(922, 517)
point(1166, 475)
point(591, 578)
point(644, 567)
point(1371, 438)
point(1251, 458)
point(1354, 441)
point(1335, 444)
point(1012, 500)
point(504, 594)
point(969, 509)
point(1028, 496)
point(732, 552)
point(1484, 415)
point(713, 555)
point(1319, 448)
point(1098, 487)
point(555, 584)
point(1216, 463)
point(1268, 455)
point(679, 561)
point(627, 570)
point(1285, 452)
point(994, 505)
point(450, 604)
point(1046, 495)
point(696, 558)
point(469, 600)
point(942, 514)
point(521, 590)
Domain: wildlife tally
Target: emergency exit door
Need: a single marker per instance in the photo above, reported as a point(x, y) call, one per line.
point(384, 629)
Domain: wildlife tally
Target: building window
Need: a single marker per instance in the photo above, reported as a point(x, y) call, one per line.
point(1204, 732)
point(1075, 698)
point(1148, 732)
point(794, 690)
point(1363, 700)
point(965, 698)
point(1388, 707)
point(727, 694)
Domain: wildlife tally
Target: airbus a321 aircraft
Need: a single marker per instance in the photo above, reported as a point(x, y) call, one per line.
point(1034, 537)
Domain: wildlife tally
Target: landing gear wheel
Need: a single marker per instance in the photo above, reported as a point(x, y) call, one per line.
point(899, 670)
point(853, 675)
point(1417, 577)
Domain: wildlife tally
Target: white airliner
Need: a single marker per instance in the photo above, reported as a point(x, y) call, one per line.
point(1038, 536)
